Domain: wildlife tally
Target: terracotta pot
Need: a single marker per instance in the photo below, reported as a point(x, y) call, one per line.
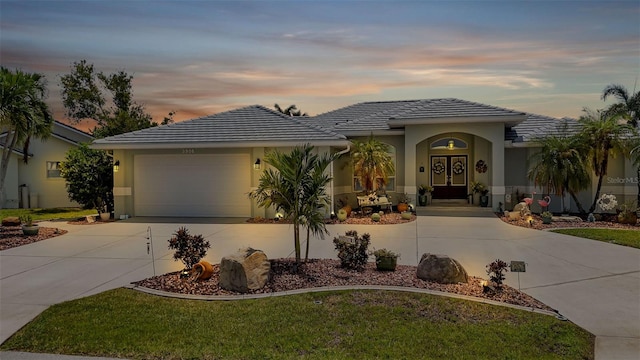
point(348, 209)
point(203, 269)
point(402, 207)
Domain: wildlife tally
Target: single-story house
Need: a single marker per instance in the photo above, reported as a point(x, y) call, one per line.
point(207, 166)
point(37, 183)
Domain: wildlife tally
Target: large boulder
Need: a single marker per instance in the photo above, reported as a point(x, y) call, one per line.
point(247, 269)
point(441, 269)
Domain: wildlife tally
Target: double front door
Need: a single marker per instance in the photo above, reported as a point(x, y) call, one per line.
point(449, 176)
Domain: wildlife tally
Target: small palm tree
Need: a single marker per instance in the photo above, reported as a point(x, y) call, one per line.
point(372, 163)
point(628, 106)
point(603, 136)
point(560, 167)
point(23, 114)
point(296, 187)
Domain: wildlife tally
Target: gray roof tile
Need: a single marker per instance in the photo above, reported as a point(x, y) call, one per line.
point(536, 126)
point(249, 124)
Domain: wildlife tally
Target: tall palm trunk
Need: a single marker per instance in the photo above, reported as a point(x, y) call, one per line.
point(602, 171)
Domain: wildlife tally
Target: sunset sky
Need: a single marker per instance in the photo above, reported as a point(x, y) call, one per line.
point(198, 58)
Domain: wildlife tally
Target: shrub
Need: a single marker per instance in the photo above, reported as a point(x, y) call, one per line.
point(26, 219)
point(353, 250)
point(189, 248)
point(496, 271)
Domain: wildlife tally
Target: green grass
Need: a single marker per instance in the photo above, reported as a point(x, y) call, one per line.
point(615, 236)
point(327, 325)
point(48, 214)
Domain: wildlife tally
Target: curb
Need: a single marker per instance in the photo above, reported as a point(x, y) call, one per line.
point(341, 288)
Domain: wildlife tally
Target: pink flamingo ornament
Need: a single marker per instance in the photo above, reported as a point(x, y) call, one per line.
point(544, 202)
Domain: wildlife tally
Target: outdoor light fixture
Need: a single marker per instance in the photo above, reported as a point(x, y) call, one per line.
point(256, 165)
point(116, 166)
point(450, 144)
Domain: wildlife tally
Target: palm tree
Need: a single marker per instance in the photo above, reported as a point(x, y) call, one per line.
point(628, 105)
point(23, 115)
point(292, 110)
point(296, 187)
point(560, 167)
point(603, 136)
point(372, 163)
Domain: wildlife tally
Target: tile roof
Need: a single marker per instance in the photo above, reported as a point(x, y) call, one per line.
point(369, 116)
point(248, 124)
point(536, 126)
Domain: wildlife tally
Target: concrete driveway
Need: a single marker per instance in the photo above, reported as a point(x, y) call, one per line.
point(594, 284)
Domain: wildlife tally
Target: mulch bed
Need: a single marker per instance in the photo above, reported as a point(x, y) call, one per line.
point(327, 272)
point(11, 236)
point(607, 222)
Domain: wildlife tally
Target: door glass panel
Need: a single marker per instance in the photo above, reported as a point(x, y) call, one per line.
point(459, 170)
point(439, 171)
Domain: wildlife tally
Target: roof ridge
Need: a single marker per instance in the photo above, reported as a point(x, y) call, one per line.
point(369, 116)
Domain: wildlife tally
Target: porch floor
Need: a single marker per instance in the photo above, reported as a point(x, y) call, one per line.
point(454, 208)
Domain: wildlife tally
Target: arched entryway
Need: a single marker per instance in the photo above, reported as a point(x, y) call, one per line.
point(446, 162)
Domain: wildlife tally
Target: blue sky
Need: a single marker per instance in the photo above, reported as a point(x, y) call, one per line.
point(197, 58)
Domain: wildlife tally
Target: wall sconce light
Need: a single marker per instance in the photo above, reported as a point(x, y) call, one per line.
point(116, 166)
point(451, 144)
point(256, 165)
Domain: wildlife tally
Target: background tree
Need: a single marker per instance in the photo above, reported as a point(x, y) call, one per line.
point(560, 167)
point(292, 110)
point(602, 136)
point(23, 115)
point(89, 177)
point(372, 163)
point(628, 105)
point(106, 99)
point(296, 186)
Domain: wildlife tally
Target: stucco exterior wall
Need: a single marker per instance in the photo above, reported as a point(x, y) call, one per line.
point(47, 192)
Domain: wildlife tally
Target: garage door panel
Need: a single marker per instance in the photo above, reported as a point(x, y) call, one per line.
point(192, 185)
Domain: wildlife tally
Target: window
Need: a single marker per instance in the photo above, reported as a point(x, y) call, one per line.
point(53, 169)
point(391, 178)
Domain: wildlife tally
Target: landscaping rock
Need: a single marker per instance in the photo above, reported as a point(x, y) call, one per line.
point(248, 269)
point(441, 269)
point(11, 221)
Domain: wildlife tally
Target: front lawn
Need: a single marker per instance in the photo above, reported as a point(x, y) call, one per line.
point(326, 325)
point(615, 236)
point(48, 214)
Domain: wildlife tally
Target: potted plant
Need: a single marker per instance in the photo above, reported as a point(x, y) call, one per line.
point(547, 217)
point(484, 197)
point(423, 192)
point(476, 187)
point(28, 227)
point(403, 202)
point(386, 260)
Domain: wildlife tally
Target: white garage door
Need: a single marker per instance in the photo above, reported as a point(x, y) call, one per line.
point(192, 185)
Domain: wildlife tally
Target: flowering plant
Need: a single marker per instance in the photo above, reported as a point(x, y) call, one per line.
point(607, 202)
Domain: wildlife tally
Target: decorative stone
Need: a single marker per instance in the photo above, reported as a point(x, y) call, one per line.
point(441, 269)
point(248, 269)
point(11, 221)
point(591, 218)
point(91, 219)
point(522, 209)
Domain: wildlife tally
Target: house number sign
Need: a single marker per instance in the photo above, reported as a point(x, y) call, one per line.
point(188, 151)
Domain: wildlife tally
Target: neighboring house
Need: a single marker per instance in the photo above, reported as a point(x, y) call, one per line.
point(207, 166)
point(37, 184)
